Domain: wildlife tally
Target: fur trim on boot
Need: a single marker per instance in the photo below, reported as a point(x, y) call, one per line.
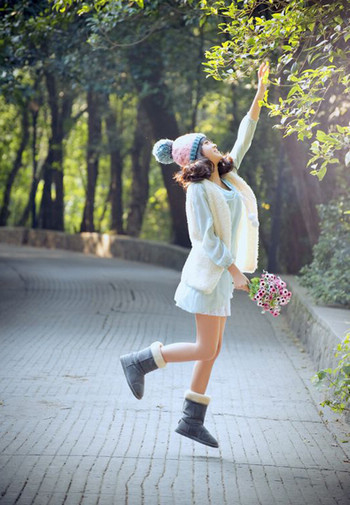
point(197, 397)
point(137, 364)
point(191, 424)
point(157, 355)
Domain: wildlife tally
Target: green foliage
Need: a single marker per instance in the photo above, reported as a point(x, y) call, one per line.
point(254, 284)
point(157, 223)
point(10, 131)
point(307, 45)
point(327, 277)
point(87, 6)
point(336, 381)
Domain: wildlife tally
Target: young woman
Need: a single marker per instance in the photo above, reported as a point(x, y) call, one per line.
point(223, 224)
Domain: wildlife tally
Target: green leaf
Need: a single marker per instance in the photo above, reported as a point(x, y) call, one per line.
point(294, 67)
point(322, 172)
point(321, 136)
point(321, 374)
point(294, 89)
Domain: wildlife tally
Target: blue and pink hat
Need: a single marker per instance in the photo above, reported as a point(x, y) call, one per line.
point(183, 150)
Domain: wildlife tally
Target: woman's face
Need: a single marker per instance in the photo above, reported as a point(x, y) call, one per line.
point(210, 151)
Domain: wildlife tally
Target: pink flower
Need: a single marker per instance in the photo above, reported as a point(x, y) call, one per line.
point(270, 293)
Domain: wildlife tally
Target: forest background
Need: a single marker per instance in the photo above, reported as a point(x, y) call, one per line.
point(87, 87)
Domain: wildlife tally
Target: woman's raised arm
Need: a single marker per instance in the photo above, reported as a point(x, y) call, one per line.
point(247, 126)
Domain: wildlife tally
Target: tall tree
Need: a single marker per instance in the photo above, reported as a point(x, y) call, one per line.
point(60, 101)
point(94, 102)
point(141, 158)
point(115, 194)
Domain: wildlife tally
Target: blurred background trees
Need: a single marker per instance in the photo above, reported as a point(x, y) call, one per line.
point(86, 88)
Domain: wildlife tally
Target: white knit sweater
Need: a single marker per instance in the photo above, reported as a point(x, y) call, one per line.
point(199, 271)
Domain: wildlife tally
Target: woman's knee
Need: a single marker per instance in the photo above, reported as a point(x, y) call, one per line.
point(206, 353)
point(218, 349)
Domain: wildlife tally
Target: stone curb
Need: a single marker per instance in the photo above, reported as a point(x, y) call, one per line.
point(319, 328)
point(103, 245)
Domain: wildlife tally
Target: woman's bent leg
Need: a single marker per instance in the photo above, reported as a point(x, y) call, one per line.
point(208, 333)
point(202, 369)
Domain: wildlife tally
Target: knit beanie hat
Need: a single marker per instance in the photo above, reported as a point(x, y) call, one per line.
point(183, 150)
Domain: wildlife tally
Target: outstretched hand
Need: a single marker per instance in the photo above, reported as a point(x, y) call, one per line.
point(263, 74)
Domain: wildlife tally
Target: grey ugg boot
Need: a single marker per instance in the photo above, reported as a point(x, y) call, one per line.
point(137, 364)
point(191, 423)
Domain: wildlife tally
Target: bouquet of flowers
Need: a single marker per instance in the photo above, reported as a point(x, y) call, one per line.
point(270, 292)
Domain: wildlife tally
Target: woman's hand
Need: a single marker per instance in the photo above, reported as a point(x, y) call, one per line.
point(263, 74)
point(240, 280)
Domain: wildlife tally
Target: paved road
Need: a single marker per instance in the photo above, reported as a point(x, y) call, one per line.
point(72, 433)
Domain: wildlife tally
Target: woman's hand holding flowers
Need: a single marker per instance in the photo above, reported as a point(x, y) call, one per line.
point(240, 280)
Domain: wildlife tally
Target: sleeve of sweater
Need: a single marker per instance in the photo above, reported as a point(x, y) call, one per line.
point(212, 244)
point(245, 135)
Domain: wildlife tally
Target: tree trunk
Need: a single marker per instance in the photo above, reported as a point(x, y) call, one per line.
point(307, 187)
point(141, 158)
point(93, 152)
point(295, 251)
point(158, 107)
point(116, 167)
point(275, 238)
point(45, 214)
point(164, 125)
point(4, 214)
point(35, 112)
point(197, 91)
point(52, 203)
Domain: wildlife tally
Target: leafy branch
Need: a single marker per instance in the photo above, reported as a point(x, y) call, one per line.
point(307, 46)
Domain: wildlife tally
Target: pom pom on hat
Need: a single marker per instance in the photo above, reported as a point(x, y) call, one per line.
point(162, 151)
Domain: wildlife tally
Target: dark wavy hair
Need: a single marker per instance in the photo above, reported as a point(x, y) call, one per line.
point(202, 168)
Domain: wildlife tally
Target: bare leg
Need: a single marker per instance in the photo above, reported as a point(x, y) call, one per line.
point(208, 332)
point(202, 369)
